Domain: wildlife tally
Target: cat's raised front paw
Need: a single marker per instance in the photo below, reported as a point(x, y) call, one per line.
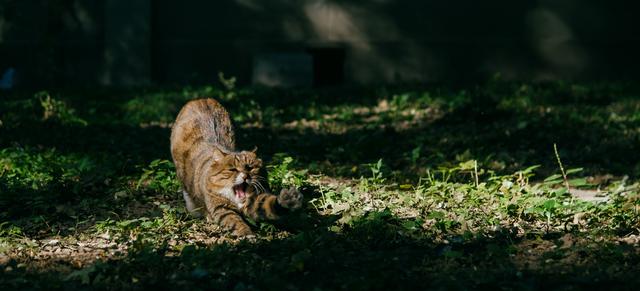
point(290, 198)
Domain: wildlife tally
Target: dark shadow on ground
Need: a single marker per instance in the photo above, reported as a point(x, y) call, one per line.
point(373, 254)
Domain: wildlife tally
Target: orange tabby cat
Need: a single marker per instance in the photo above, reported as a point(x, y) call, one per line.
point(218, 181)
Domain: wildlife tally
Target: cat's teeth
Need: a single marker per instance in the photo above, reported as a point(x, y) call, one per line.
point(240, 190)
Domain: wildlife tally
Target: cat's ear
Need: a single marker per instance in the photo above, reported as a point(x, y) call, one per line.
point(255, 149)
point(219, 154)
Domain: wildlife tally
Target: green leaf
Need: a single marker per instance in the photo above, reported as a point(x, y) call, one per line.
point(578, 182)
point(411, 224)
point(571, 171)
point(335, 228)
point(468, 165)
point(560, 191)
point(406, 187)
point(529, 169)
point(550, 204)
point(436, 215)
point(452, 254)
point(83, 275)
point(552, 177)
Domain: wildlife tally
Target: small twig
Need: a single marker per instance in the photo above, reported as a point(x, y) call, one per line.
point(475, 169)
point(564, 175)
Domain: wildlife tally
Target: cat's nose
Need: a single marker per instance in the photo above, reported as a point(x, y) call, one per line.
point(242, 176)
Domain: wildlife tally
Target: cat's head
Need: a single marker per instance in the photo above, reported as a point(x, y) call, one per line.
point(236, 175)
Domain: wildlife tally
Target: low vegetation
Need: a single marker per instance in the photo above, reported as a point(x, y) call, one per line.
point(509, 185)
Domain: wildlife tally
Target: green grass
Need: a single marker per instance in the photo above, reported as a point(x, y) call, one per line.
point(406, 187)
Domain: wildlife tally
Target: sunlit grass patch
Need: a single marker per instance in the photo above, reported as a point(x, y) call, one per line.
point(36, 169)
point(454, 202)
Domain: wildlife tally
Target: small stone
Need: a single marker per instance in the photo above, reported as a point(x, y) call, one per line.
point(4, 259)
point(631, 239)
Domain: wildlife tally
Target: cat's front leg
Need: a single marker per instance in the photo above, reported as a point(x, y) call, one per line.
point(225, 216)
point(267, 206)
point(290, 198)
point(230, 220)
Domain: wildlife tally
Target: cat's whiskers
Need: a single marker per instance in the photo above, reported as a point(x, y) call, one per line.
point(263, 189)
point(257, 184)
point(258, 177)
point(256, 188)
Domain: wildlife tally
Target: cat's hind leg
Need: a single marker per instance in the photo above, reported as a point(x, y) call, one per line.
point(191, 205)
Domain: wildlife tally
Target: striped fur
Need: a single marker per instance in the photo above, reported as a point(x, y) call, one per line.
point(218, 182)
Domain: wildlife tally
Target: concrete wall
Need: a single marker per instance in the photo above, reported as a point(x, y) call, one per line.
point(52, 42)
point(138, 42)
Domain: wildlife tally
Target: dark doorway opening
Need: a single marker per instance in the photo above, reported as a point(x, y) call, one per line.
point(328, 66)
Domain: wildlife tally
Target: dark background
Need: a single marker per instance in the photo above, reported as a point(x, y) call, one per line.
point(142, 42)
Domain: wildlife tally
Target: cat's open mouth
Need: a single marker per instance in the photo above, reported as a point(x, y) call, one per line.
point(240, 190)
